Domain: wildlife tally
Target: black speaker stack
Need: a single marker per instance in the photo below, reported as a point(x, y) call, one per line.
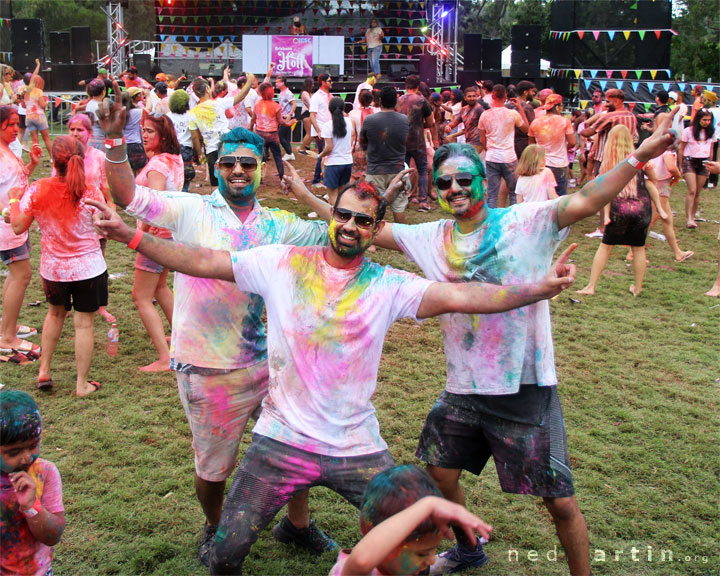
point(482, 59)
point(27, 36)
point(525, 58)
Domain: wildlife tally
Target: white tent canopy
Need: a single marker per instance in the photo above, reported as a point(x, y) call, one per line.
point(506, 58)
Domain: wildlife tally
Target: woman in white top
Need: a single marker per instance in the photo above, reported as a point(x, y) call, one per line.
point(14, 249)
point(695, 150)
point(337, 153)
point(374, 40)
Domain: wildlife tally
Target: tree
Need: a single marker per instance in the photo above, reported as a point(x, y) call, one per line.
point(695, 50)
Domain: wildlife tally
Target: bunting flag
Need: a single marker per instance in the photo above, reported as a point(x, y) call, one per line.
point(584, 103)
point(626, 33)
point(608, 73)
point(619, 84)
point(603, 83)
point(666, 86)
point(653, 73)
point(587, 83)
point(635, 86)
point(651, 86)
point(565, 34)
point(647, 106)
point(623, 73)
point(631, 105)
point(682, 85)
point(593, 73)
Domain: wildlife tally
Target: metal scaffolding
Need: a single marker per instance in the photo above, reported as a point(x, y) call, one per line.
point(117, 38)
point(443, 19)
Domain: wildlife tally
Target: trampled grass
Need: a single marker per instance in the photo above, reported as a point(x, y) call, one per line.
point(638, 383)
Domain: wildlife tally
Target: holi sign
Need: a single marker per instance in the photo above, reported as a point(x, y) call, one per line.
point(292, 55)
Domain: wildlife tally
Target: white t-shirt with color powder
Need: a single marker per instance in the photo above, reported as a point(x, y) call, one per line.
point(535, 188)
point(326, 328)
point(341, 154)
point(499, 125)
point(319, 103)
point(492, 354)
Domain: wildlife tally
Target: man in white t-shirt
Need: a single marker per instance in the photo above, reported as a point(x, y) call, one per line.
point(369, 84)
point(555, 133)
point(497, 137)
point(329, 309)
point(500, 398)
point(218, 348)
point(319, 115)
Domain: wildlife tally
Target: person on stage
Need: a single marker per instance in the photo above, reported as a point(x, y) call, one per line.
point(374, 39)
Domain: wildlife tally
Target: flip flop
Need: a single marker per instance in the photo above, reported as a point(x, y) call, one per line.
point(24, 347)
point(688, 254)
point(25, 332)
point(95, 385)
point(45, 384)
point(20, 359)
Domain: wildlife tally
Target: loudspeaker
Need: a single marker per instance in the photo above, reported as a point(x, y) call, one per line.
point(82, 72)
point(60, 47)
point(401, 71)
point(491, 53)
point(467, 77)
point(562, 15)
point(473, 50)
point(525, 38)
point(427, 69)
point(525, 71)
point(28, 43)
point(332, 69)
point(143, 64)
point(62, 78)
point(80, 42)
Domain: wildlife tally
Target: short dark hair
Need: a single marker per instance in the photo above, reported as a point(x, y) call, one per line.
point(394, 490)
point(525, 85)
point(388, 97)
point(471, 89)
point(281, 78)
point(365, 98)
point(364, 191)
point(323, 78)
point(20, 419)
point(663, 96)
point(499, 92)
point(412, 82)
point(200, 87)
point(487, 85)
point(95, 87)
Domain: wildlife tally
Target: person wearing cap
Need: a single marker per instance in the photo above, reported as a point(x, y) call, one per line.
point(297, 28)
point(555, 133)
point(542, 96)
point(676, 99)
point(132, 80)
point(158, 100)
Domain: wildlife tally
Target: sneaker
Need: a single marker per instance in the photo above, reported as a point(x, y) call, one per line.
point(595, 234)
point(458, 559)
point(288, 157)
point(206, 543)
point(313, 539)
point(657, 236)
point(572, 183)
point(425, 207)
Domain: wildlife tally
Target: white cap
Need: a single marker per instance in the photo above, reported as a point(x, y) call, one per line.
point(672, 94)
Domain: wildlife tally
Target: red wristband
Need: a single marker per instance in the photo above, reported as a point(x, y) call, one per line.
point(111, 143)
point(133, 244)
point(635, 163)
point(34, 510)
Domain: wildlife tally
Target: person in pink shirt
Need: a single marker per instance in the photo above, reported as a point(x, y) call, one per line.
point(497, 137)
point(33, 517)
point(555, 134)
point(164, 171)
point(72, 266)
point(695, 150)
point(14, 249)
point(267, 119)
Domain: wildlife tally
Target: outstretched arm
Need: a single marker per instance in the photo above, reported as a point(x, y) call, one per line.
point(120, 177)
point(379, 543)
point(200, 262)
point(603, 189)
point(479, 298)
point(240, 95)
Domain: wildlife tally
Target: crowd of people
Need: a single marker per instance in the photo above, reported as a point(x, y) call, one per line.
point(497, 159)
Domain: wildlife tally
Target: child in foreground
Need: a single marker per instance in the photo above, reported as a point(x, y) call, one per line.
point(403, 518)
point(30, 490)
point(536, 182)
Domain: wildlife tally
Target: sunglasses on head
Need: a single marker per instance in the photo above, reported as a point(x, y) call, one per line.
point(228, 162)
point(462, 178)
point(342, 216)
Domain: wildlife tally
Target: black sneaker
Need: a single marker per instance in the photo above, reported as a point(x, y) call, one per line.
point(206, 543)
point(313, 539)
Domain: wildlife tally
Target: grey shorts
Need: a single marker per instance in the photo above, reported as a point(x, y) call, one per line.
point(381, 182)
point(523, 432)
point(16, 254)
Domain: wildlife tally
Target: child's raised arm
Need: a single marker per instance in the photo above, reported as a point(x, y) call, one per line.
point(380, 542)
point(46, 527)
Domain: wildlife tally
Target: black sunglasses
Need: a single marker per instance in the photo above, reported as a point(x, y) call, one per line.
point(463, 179)
point(228, 162)
point(342, 216)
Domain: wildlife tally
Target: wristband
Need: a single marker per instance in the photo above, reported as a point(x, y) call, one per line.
point(122, 161)
point(635, 163)
point(34, 510)
point(114, 142)
point(13, 200)
point(133, 244)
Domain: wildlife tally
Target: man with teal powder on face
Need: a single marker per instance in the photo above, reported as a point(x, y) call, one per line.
point(219, 349)
point(500, 398)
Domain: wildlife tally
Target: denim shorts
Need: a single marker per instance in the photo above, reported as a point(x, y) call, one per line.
point(337, 176)
point(270, 474)
point(218, 408)
point(523, 432)
point(16, 254)
point(36, 124)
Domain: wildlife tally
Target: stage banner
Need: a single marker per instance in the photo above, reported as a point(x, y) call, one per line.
point(292, 55)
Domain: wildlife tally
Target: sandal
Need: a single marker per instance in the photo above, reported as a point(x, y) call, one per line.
point(45, 384)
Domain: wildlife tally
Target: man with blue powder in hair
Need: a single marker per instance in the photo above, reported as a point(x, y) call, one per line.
point(218, 346)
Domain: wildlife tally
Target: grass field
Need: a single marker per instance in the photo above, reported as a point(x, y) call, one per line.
point(639, 382)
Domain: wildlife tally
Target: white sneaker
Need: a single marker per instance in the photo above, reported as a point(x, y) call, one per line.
point(595, 234)
point(572, 183)
point(657, 236)
point(288, 157)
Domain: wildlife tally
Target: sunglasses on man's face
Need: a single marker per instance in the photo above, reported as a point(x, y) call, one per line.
point(228, 162)
point(463, 179)
point(343, 216)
